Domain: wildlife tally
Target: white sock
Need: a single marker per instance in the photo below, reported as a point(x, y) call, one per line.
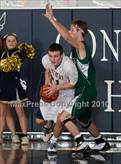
point(98, 137)
point(77, 136)
point(53, 139)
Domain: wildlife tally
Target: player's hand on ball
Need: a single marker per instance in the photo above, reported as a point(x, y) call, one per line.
point(49, 93)
point(51, 90)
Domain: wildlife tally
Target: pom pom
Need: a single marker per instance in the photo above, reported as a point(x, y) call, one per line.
point(27, 49)
point(11, 63)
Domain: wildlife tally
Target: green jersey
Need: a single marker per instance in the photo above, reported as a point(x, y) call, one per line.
point(85, 90)
point(86, 72)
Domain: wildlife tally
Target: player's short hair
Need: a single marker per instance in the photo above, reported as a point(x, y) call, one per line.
point(56, 47)
point(81, 24)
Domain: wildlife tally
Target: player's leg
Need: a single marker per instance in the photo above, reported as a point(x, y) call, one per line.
point(82, 110)
point(100, 143)
point(39, 119)
point(85, 120)
point(56, 134)
point(91, 127)
point(58, 127)
point(47, 126)
point(65, 119)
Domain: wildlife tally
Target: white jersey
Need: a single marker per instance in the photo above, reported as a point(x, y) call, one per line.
point(65, 72)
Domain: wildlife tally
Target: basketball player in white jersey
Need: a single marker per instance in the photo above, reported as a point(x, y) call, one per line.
point(62, 75)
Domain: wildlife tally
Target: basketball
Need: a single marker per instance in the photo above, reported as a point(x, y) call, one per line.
point(45, 97)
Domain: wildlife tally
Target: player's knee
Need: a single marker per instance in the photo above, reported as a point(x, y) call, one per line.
point(40, 121)
point(64, 117)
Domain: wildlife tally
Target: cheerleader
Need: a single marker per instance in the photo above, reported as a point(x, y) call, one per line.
point(9, 117)
point(11, 89)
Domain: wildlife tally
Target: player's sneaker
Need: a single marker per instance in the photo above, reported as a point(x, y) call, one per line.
point(47, 137)
point(15, 139)
point(101, 145)
point(82, 146)
point(47, 129)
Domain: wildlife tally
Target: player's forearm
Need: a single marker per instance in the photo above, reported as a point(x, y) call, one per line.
point(47, 77)
point(60, 28)
point(64, 33)
point(65, 86)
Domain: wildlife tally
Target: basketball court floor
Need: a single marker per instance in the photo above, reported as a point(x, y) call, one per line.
point(36, 153)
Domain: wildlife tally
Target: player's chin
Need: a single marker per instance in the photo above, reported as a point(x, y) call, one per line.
point(55, 64)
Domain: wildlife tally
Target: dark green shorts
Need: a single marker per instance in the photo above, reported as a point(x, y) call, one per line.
point(82, 108)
